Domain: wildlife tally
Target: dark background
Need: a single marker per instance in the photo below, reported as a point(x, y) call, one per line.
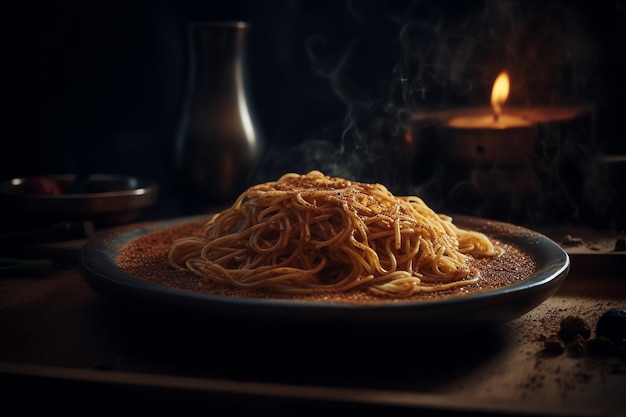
point(97, 86)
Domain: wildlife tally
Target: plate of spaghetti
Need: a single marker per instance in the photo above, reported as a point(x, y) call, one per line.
point(316, 247)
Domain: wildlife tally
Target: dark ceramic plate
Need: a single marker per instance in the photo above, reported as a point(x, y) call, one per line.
point(98, 265)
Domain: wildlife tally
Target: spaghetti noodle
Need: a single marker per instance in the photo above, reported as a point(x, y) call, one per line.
point(311, 233)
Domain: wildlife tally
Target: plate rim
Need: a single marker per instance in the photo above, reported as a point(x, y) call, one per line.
point(97, 265)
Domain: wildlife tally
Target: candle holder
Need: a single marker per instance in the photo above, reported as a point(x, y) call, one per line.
point(488, 148)
point(488, 172)
point(485, 168)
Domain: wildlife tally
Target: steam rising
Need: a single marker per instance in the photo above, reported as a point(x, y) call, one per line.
point(387, 61)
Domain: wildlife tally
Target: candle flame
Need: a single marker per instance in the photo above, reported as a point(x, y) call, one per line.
point(499, 93)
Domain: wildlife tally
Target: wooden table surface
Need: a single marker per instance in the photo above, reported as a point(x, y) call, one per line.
point(65, 346)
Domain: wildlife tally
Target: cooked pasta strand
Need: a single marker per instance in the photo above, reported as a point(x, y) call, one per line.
point(311, 233)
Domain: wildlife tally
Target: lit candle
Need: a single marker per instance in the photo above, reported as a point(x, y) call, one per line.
point(499, 116)
point(496, 119)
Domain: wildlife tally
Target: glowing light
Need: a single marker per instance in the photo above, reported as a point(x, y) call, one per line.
point(499, 93)
point(497, 119)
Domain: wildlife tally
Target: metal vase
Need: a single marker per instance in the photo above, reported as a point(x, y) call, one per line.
point(217, 145)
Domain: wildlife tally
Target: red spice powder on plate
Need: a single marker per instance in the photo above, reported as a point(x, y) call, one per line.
point(145, 258)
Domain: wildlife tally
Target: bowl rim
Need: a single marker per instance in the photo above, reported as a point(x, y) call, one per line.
point(145, 187)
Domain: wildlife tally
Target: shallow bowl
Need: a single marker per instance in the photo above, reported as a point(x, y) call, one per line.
point(101, 198)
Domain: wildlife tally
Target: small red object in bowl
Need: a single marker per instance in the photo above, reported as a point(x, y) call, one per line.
point(43, 186)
